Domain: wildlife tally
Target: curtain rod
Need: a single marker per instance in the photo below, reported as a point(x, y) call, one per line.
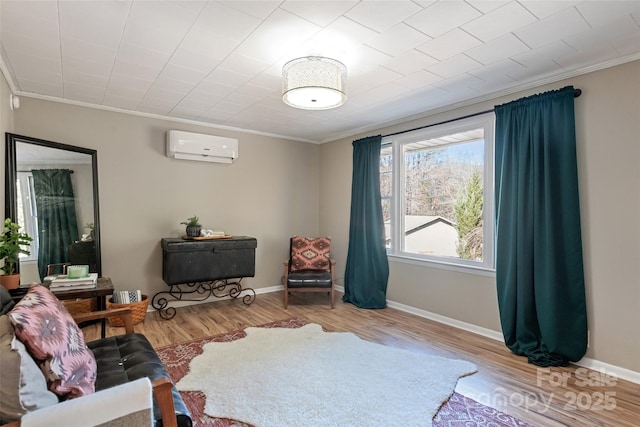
point(576, 93)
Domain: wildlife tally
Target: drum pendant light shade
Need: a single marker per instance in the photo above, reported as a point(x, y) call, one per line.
point(314, 83)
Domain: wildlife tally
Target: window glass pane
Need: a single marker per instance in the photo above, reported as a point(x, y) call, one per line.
point(443, 195)
point(26, 212)
point(386, 189)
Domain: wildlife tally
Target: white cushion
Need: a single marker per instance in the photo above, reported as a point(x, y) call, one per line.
point(23, 387)
point(129, 404)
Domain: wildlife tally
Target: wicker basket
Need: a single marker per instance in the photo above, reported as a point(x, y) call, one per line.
point(79, 306)
point(138, 311)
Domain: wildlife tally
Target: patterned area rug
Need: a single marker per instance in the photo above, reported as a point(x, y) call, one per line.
point(457, 411)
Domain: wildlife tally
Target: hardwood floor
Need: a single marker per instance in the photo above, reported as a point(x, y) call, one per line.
point(570, 396)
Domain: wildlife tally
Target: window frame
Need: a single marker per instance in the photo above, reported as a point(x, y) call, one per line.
point(397, 142)
point(27, 196)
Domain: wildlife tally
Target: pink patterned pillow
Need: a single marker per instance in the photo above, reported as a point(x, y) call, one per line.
point(55, 342)
point(310, 254)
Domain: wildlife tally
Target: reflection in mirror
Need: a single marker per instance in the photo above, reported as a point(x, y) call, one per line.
point(55, 200)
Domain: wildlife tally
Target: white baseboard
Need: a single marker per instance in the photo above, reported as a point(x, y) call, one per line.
point(470, 327)
point(617, 371)
point(596, 365)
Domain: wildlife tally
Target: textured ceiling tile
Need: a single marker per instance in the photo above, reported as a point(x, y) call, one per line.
point(376, 76)
point(137, 70)
point(194, 61)
point(598, 13)
point(123, 102)
point(452, 67)
point(100, 23)
point(150, 58)
point(537, 66)
point(380, 94)
point(225, 21)
point(221, 62)
point(84, 93)
point(555, 27)
point(227, 77)
point(495, 76)
point(183, 74)
point(486, 6)
point(410, 62)
point(260, 9)
point(603, 51)
point(89, 79)
point(280, 33)
point(172, 85)
point(125, 85)
point(40, 87)
point(25, 65)
point(503, 47)
point(547, 53)
point(213, 87)
point(450, 44)
point(321, 13)
point(398, 40)
point(500, 21)
point(166, 15)
point(152, 38)
point(206, 43)
point(442, 17)
point(81, 50)
point(544, 8)
point(419, 79)
point(244, 65)
point(382, 15)
point(23, 11)
point(48, 48)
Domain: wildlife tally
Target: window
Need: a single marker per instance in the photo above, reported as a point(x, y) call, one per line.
point(437, 193)
point(27, 213)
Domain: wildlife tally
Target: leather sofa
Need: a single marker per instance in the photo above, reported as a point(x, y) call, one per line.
point(126, 358)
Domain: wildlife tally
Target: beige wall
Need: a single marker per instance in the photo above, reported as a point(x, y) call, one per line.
point(608, 131)
point(270, 192)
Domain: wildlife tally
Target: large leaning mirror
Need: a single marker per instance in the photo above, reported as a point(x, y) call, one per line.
point(52, 192)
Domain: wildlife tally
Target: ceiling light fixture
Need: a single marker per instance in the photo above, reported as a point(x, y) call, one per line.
point(314, 83)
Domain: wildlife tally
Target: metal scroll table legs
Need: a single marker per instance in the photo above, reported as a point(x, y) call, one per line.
point(200, 291)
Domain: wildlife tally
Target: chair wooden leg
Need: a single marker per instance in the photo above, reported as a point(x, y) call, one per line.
point(164, 397)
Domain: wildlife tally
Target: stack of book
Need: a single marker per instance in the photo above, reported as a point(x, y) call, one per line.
point(63, 283)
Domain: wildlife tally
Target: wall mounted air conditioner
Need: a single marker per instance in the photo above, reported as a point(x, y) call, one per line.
point(200, 147)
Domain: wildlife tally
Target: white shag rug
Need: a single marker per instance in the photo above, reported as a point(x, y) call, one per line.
point(277, 377)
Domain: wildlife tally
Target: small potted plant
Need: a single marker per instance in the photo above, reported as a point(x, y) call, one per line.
point(193, 226)
point(12, 242)
point(89, 226)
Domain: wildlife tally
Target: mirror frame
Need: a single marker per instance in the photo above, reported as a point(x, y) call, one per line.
point(10, 191)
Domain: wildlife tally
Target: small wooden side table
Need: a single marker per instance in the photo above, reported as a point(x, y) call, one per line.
point(103, 289)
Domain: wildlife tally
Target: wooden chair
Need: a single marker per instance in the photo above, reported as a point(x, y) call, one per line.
point(309, 267)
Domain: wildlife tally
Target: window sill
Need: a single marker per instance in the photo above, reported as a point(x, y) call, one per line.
point(466, 269)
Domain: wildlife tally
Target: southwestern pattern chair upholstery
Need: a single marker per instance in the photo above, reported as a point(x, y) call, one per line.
point(309, 267)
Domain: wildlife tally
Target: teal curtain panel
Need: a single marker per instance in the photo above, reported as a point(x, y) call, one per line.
point(539, 269)
point(57, 222)
point(367, 269)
